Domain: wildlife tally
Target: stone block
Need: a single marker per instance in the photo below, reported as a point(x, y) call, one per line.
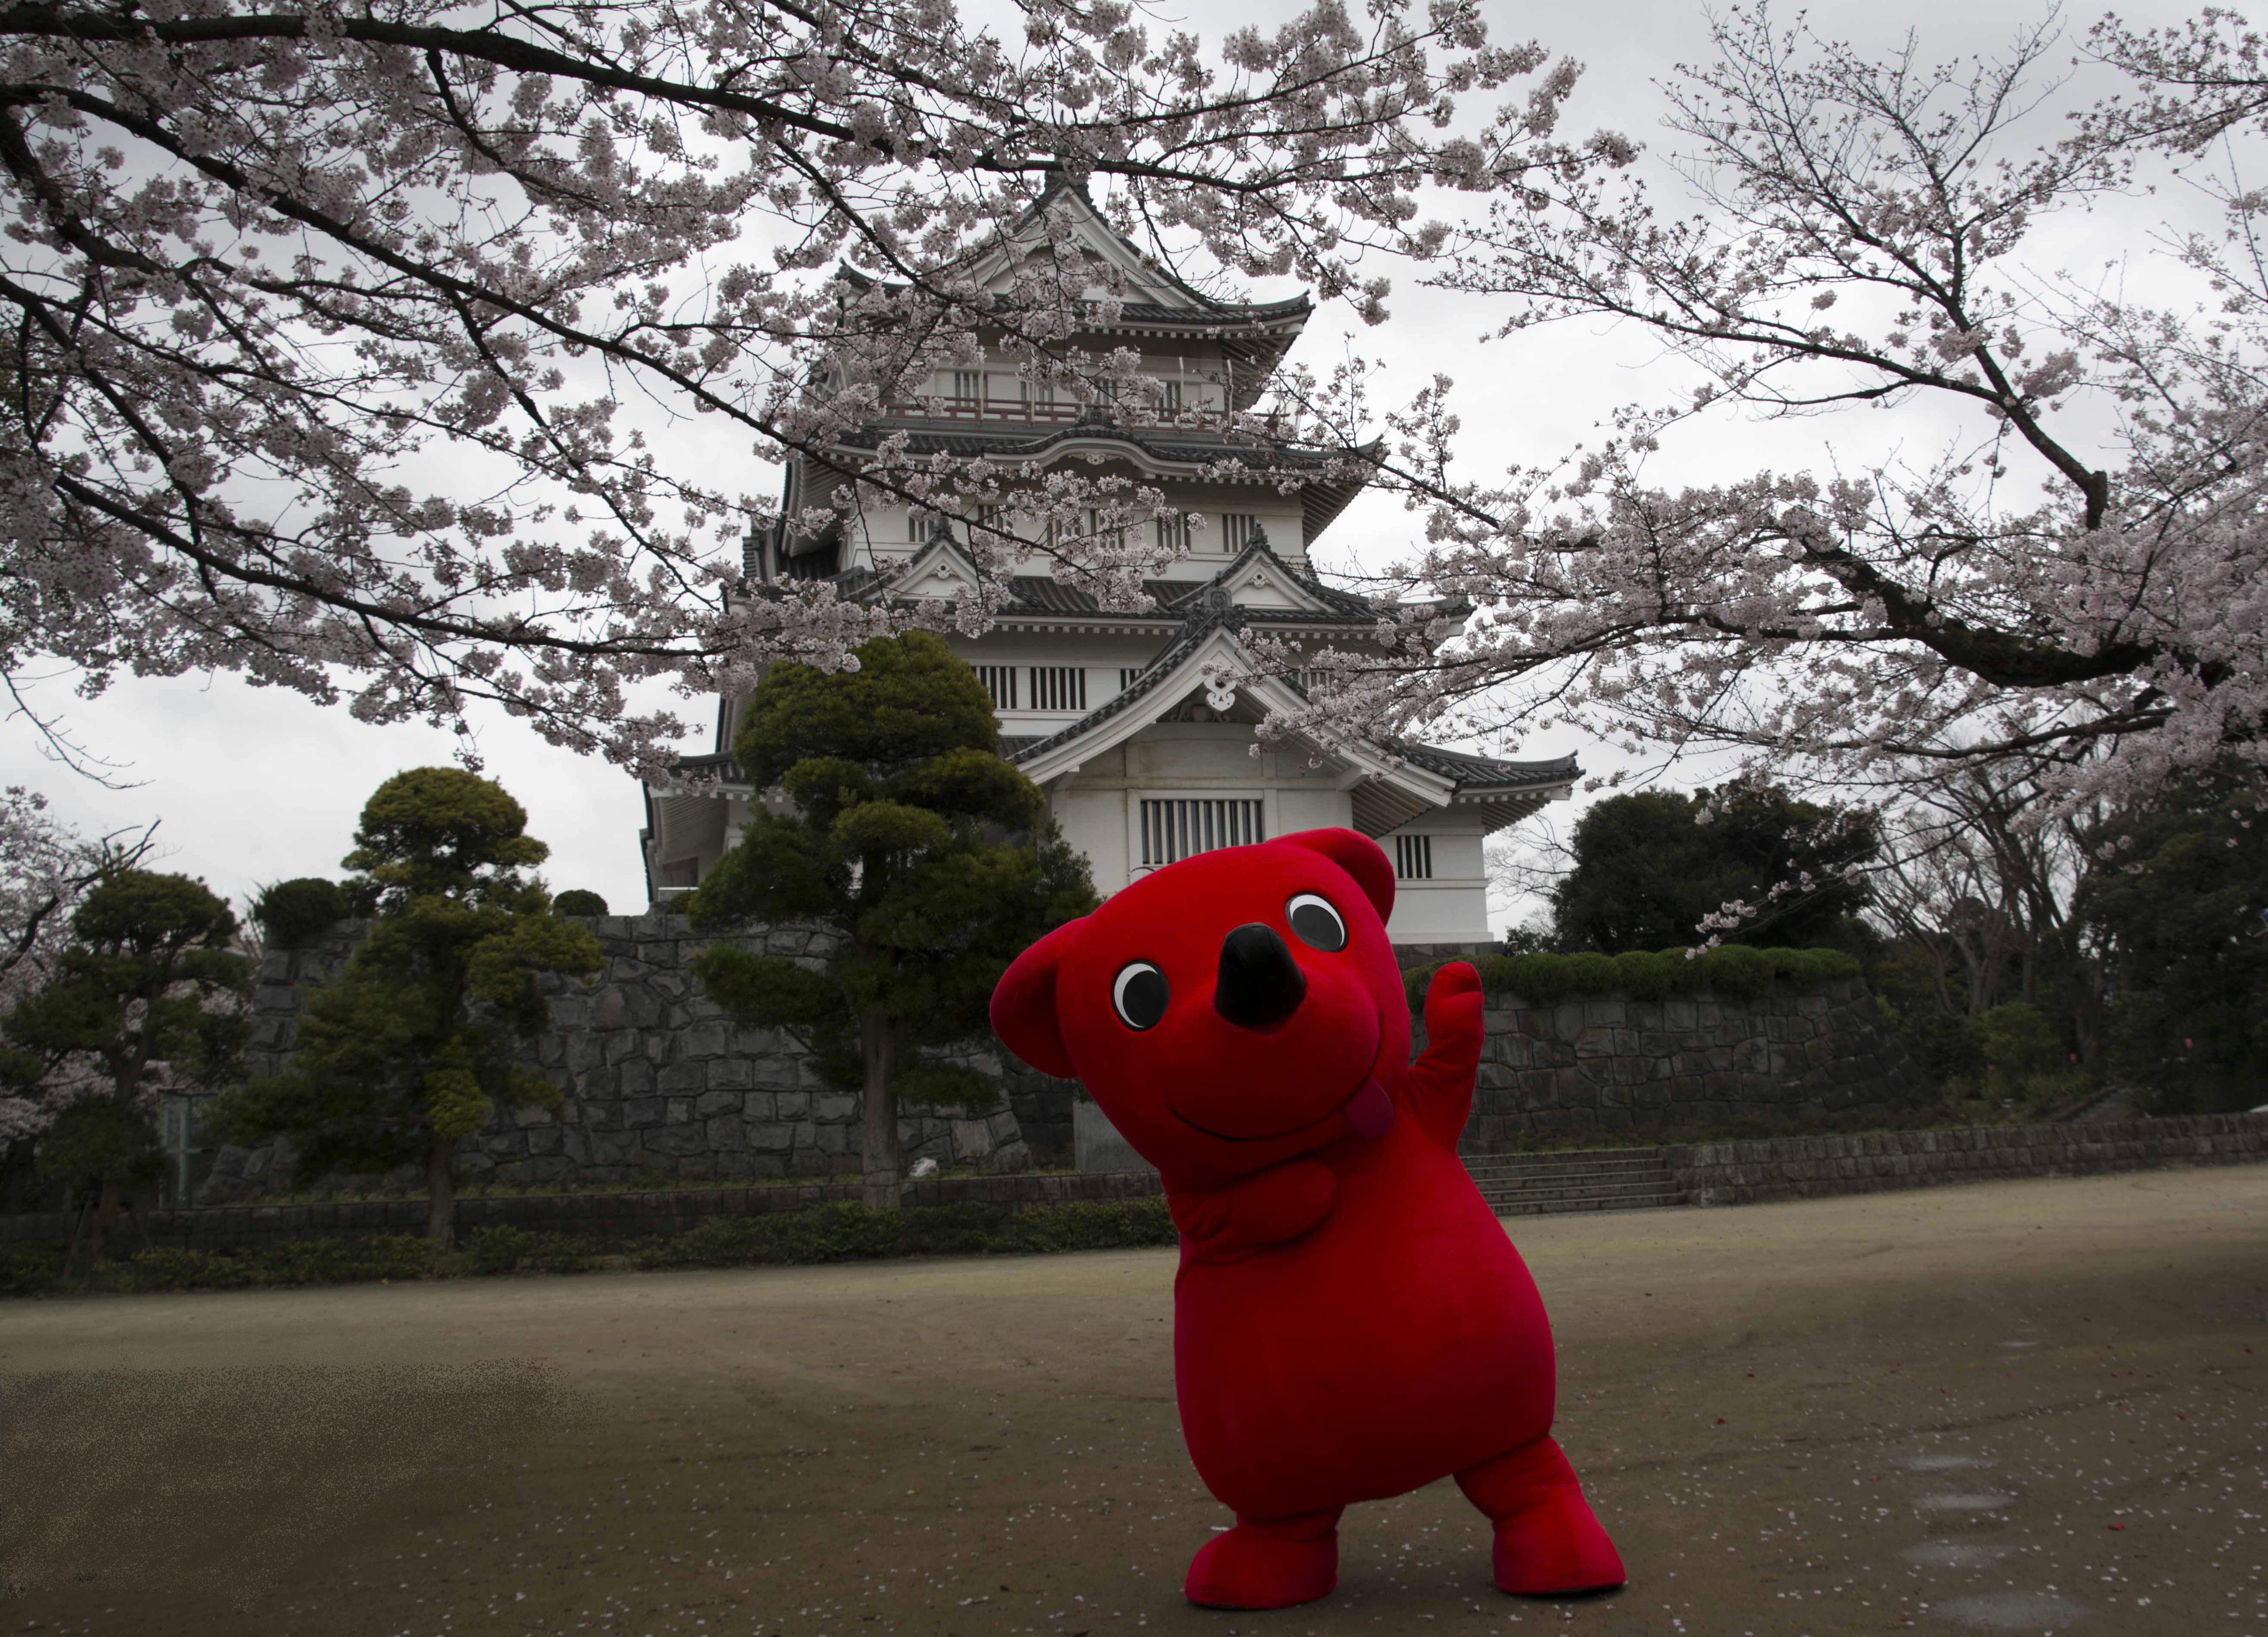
point(677, 1142)
point(792, 1104)
point(681, 1079)
point(837, 1106)
point(704, 1039)
point(732, 1073)
point(972, 1140)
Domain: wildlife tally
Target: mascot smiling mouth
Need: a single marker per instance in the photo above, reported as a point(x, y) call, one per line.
point(1369, 1111)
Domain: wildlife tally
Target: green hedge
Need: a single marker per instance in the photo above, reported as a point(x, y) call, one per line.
point(1734, 970)
point(840, 1232)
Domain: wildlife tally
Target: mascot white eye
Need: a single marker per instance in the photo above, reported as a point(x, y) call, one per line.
point(1139, 995)
point(1316, 922)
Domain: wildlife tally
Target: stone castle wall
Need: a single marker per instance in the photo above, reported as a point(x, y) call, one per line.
point(659, 1085)
point(658, 1082)
point(1611, 1063)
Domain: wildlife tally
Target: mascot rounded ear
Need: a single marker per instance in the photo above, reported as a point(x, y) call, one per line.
point(1359, 856)
point(1024, 1005)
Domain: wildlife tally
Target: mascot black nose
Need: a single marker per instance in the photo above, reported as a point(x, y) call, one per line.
point(1260, 983)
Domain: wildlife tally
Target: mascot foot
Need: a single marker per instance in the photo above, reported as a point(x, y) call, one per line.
point(1267, 1563)
point(1547, 1541)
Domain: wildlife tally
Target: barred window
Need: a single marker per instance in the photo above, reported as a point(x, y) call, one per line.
point(1000, 682)
point(1173, 397)
point(1413, 858)
point(1177, 829)
point(1238, 528)
point(917, 526)
point(1058, 688)
point(967, 387)
point(1174, 534)
point(1126, 675)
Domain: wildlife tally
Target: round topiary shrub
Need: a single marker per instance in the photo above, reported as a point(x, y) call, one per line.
point(576, 901)
point(292, 914)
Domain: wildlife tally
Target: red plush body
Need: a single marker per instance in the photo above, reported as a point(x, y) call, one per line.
point(1350, 1321)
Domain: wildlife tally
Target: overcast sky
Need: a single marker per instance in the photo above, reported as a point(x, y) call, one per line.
point(256, 785)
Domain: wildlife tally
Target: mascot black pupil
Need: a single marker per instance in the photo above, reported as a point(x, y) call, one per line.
point(1317, 924)
point(1141, 996)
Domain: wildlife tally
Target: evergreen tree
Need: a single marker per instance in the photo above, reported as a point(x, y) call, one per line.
point(409, 1051)
point(1648, 868)
point(2178, 896)
point(144, 997)
point(903, 832)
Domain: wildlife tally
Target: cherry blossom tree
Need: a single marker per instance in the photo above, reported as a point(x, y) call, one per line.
point(2062, 567)
point(383, 351)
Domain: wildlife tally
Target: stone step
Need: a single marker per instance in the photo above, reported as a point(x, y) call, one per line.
point(1582, 1162)
point(1574, 1179)
point(1561, 1173)
point(1585, 1190)
point(1566, 1156)
point(1661, 1200)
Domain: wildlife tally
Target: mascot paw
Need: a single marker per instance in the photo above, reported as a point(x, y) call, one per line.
point(1267, 1566)
point(1555, 1546)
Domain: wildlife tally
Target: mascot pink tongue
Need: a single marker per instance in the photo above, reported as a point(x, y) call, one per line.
point(1350, 1321)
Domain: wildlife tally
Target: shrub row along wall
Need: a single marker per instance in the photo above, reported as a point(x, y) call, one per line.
point(607, 1217)
point(1802, 1168)
point(1719, 1173)
point(657, 1081)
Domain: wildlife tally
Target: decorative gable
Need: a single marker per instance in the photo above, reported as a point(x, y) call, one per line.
point(940, 571)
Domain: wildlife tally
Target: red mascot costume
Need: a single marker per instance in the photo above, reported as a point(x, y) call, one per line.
point(1350, 1320)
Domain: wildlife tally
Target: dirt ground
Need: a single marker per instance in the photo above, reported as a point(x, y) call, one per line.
point(2033, 1406)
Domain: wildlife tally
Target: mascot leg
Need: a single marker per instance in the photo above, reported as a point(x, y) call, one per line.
point(1268, 1563)
point(1547, 1541)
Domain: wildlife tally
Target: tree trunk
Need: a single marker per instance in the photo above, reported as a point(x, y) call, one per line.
point(441, 1192)
point(885, 1161)
point(105, 1219)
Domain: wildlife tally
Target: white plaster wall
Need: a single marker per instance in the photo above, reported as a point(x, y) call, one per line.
point(1315, 808)
point(1452, 907)
point(1095, 822)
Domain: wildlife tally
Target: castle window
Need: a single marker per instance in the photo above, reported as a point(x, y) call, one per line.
point(1238, 528)
point(1000, 682)
point(1173, 397)
point(1058, 688)
point(1126, 675)
point(1413, 858)
point(1174, 534)
point(1177, 829)
point(967, 388)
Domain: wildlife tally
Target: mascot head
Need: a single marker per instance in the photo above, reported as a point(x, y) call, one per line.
point(1228, 1012)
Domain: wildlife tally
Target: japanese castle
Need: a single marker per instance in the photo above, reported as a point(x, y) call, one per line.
point(1121, 717)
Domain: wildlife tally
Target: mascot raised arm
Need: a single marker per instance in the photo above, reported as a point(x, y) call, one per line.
point(1350, 1320)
